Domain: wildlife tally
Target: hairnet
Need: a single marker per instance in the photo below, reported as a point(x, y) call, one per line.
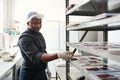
point(34, 14)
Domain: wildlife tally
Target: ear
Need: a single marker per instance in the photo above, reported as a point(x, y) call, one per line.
point(28, 23)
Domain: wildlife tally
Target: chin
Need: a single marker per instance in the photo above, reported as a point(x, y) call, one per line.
point(36, 30)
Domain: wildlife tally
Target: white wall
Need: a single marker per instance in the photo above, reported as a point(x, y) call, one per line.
point(54, 11)
point(1, 42)
point(113, 36)
point(1, 16)
point(100, 36)
point(51, 33)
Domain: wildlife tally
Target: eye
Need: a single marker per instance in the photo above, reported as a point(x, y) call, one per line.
point(35, 23)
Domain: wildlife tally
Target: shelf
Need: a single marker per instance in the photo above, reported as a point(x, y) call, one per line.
point(97, 25)
point(106, 50)
point(81, 3)
point(91, 72)
point(82, 62)
point(85, 13)
point(105, 17)
point(93, 7)
point(82, 70)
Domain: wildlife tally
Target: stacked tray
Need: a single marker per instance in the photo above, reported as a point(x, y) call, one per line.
point(102, 49)
point(94, 68)
point(107, 76)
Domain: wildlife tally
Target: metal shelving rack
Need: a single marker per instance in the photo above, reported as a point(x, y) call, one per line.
point(95, 24)
point(67, 48)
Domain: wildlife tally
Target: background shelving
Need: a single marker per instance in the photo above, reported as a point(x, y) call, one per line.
point(96, 25)
point(107, 22)
point(107, 50)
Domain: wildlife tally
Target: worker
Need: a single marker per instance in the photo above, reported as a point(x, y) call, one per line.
point(33, 49)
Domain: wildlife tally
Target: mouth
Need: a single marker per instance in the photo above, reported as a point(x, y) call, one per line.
point(36, 29)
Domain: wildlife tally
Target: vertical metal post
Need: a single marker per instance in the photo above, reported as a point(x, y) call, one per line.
point(105, 32)
point(56, 76)
point(105, 39)
point(67, 48)
point(14, 73)
point(105, 35)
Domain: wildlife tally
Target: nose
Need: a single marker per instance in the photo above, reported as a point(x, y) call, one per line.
point(38, 24)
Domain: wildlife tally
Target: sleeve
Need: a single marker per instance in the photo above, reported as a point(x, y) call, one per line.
point(28, 47)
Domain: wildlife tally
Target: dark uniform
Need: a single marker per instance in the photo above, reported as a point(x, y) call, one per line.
point(32, 46)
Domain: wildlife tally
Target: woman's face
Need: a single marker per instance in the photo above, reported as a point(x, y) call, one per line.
point(35, 24)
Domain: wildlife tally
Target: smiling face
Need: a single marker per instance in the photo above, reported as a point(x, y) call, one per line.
point(35, 24)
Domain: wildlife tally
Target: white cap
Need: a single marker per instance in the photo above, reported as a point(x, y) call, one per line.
point(34, 14)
